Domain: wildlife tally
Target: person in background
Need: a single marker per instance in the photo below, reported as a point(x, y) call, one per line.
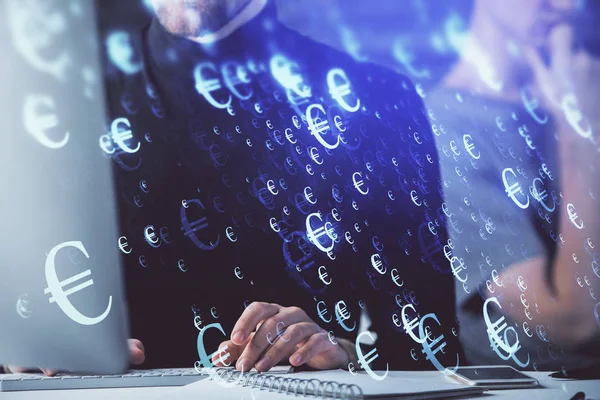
point(517, 134)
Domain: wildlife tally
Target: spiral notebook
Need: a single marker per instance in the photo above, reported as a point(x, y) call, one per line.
point(226, 383)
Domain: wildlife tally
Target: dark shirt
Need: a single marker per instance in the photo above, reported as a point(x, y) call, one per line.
point(231, 199)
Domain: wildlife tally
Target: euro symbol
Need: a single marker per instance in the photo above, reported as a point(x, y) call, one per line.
point(240, 77)
point(430, 350)
point(415, 198)
point(190, 229)
point(340, 91)
point(205, 87)
point(230, 234)
point(271, 187)
point(351, 369)
point(55, 287)
point(24, 306)
point(121, 53)
point(323, 275)
point(198, 322)
point(314, 235)
point(396, 320)
point(521, 283)
point(358, 184)
point(513, 189)
point(314, 154)
point(575, 117)
point(150, 236)
point(409, 327)
point(497, 343)
point(123, 245)
point(342, 314)
point(205, 359)
point(274, 224)
point(456, 269)
point(365, 359)
point(573, 216)
point(119, 136)
point(470, 146)
point(319, 127)
point(378, 264)
point(284, 71)
point(322, 311)
point(238, 273)
point(213, 312)
point(532, 105)
point(181, 265)
point(396, 278)
point(331, 338)
point(37, 125)
point(308, 195)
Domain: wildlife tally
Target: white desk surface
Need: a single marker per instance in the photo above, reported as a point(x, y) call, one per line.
point(559, 389)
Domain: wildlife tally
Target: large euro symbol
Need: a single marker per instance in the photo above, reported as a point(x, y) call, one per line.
point(206, 86)
point(409, 326)
point(314, 235)
point(532, 104)
point(205, 359)
point(513, 189)
point(365, 359)
point(431, 349)
point(60, 296)
point(321, 127)
point(339, 92)
point(495, 328)
point(233, 80)
point(190, 228)
point(120, 136)
point(37, 124)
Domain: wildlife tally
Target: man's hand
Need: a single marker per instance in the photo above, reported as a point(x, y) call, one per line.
point(137, 356)
point(293, 335)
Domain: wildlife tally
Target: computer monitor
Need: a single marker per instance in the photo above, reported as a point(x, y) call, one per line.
point(62, 301)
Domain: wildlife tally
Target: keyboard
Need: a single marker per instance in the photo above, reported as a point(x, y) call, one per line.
point(135, 378)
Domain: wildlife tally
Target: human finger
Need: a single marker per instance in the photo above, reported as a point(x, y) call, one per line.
point(229, 352)
point(137, 352)
point(250, 318)
point(284, 346)
point(317, 344)
point(271, 329)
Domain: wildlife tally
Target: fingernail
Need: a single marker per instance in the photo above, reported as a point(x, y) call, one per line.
point(296, 359)
point(238, 337)
point(242, 365)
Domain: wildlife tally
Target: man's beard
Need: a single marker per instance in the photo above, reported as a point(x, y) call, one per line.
point(194, 18)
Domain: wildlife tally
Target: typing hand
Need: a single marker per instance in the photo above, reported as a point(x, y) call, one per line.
point(281, 332)
point(136, 354)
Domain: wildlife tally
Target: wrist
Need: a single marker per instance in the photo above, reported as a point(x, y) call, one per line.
point(349, 349)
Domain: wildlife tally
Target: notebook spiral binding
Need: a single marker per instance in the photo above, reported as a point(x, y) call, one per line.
point(287, 385)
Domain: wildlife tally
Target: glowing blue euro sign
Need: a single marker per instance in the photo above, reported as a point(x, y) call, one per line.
point(206, 86)
point(575, 117)
point(532, 105)
point(190, 228)
point(60, 296)
point(121, 133)
point(430, 349)
point(500, 345)
point(34, 27)
point(314, 235)
point(319, 126)
point(38, 124)
point(121, 54)
point(512, 189)
point(342, 315)
point(339, 88)
point(286, 72)
point(364, 360)
point(238, 77)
